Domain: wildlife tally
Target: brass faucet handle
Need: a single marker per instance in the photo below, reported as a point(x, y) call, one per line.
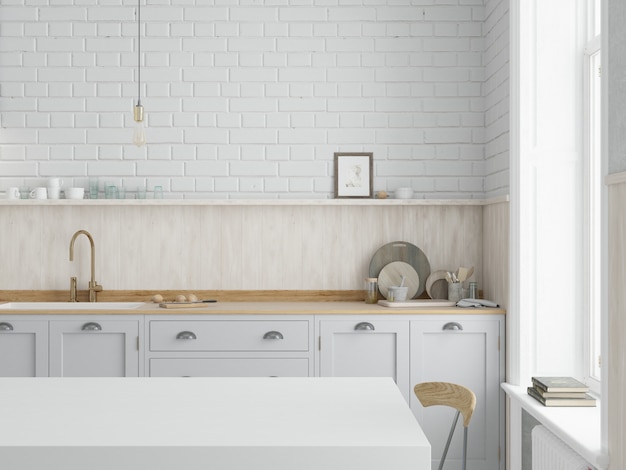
point(73, 290)
point(94, 286)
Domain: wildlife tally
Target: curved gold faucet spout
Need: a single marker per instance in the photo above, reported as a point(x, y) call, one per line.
point(93, 285)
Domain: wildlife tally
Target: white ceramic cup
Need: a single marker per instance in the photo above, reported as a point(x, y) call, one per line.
point(13, 193)
point(74, 193)
point(54, 182)
point(39, 193)
point(54, 192)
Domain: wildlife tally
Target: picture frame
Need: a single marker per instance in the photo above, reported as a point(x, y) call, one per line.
point(354, 175)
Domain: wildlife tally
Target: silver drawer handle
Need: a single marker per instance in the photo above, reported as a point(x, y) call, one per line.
point(6, 327)
point(91, 326)
point(186, 335)
point(364, 326)
point(273, 335)
point(453, 326)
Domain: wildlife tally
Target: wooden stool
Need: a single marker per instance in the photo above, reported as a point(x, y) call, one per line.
point(460, 398)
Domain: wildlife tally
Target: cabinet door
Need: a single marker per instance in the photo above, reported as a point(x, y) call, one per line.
point(467, 352)
point(229, 367)
point(94, 347)
point(365, 348)
point(23, 348)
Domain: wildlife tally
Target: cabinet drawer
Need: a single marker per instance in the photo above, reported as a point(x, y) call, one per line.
point(229, 335)
point(229, 367)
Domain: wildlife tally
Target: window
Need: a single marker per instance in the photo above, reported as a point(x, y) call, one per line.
point(593, 185)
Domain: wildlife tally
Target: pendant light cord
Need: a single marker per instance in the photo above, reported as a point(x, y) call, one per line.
point(138, 52)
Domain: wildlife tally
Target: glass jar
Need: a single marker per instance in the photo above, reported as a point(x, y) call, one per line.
point(371, 290)
point(473, 290)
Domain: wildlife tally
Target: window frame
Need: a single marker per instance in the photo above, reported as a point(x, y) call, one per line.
point(593, 212)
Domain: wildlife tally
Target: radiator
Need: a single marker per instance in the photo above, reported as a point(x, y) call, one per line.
point(551, 453)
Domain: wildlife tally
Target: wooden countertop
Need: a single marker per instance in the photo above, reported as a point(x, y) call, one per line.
point(262, 308)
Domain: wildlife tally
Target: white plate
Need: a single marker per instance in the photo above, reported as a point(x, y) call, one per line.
point(391, 275)
point(437, 285)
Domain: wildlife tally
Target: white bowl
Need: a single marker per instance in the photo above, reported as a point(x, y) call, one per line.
point(74, 193)
point(404, 193)
point(397, 293)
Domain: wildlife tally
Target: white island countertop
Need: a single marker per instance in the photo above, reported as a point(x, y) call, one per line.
point(200, 423)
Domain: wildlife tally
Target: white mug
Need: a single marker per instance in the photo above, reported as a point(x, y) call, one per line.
point(54, 182)
point(54, 192)
point(39, 193)
point(13, 193)
point(74, 193)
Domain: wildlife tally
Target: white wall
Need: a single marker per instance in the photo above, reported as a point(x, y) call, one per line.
point(497, 97)
point(245, 99)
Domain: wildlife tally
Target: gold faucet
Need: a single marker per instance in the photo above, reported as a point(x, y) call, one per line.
point(93, 285)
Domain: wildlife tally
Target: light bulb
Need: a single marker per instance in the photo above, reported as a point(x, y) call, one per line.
point(139, 135)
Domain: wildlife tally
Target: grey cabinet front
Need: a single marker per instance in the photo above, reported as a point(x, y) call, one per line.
point(229, 335)
point(23, 347)
point(229, 367)
point(94, 347)
point(463, 350)
point(365, 347)
point(230, 346)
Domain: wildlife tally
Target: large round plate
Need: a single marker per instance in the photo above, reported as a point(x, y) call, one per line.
point(437, 285)
point(391, 275)
point(401, 251)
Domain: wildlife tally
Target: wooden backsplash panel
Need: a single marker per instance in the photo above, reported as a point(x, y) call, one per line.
point(228, 247)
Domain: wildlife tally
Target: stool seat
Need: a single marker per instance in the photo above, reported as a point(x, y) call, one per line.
point(461, 398)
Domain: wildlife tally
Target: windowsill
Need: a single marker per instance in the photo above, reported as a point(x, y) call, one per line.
point(577, 427)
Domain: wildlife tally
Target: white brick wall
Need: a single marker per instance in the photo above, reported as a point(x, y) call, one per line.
point(496, 92)
point(250, 100)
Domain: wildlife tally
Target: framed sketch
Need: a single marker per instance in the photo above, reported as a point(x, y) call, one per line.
point(354, 176)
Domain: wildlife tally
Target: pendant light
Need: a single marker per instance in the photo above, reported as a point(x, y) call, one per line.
point(139, 135)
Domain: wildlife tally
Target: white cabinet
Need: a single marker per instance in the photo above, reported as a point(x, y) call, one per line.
point(365, 346)
point(94, 346)
point(218, 346)
point(23, 347)
point(464, 350)
point(229, 367)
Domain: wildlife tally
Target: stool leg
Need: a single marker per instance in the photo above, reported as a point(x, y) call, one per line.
point(445, 450)
point(464, 449)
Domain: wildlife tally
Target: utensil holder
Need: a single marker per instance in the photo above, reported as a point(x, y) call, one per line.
point(455, 291)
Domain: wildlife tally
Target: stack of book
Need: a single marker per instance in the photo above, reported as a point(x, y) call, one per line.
point(560, 391)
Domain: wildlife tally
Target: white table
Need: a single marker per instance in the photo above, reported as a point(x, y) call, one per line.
point(208, 423)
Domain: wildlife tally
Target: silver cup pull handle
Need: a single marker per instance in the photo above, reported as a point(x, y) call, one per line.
point(273, 335)
point(6, 326)
point(364, 326)
point(186, 335)
point(454, 326)
point(91, 326)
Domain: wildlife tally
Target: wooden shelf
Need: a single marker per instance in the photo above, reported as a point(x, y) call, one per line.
point(252, 202)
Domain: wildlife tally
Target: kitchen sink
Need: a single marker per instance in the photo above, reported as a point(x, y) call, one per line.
point(70, 305)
